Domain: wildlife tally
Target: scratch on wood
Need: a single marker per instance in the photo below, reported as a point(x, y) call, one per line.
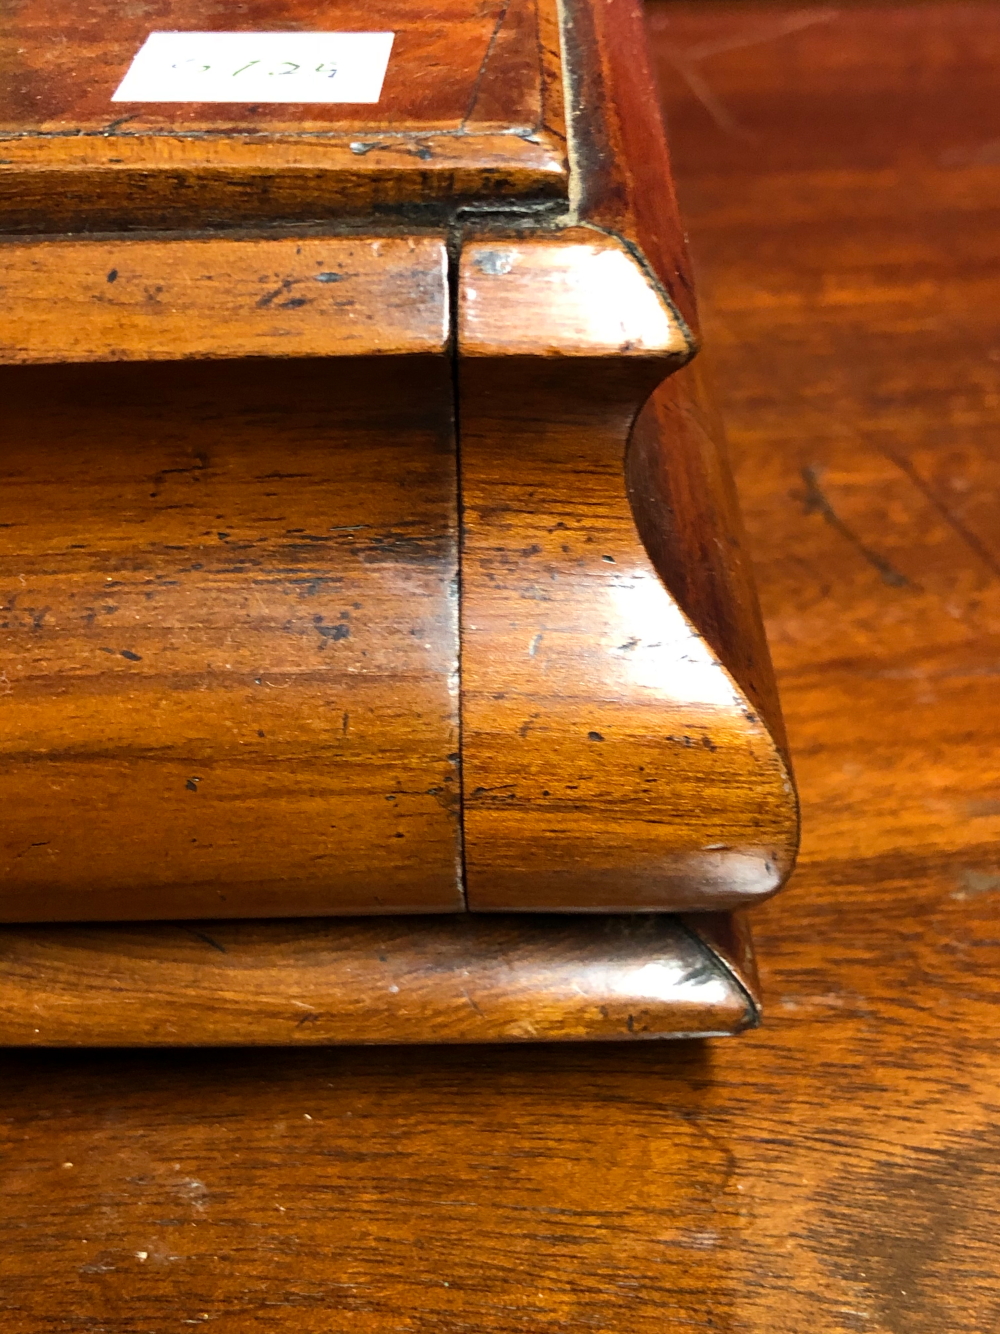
point(952, 520)
point(817, 503)
point(200, 935)
point(686, 62)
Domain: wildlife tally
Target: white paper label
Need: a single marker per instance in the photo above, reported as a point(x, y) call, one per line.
point(258, 67)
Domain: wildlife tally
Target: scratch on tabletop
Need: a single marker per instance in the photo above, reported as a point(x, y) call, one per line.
point(817, 503)
point(686, 61)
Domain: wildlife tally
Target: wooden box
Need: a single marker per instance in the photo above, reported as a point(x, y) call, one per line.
point(380, 660)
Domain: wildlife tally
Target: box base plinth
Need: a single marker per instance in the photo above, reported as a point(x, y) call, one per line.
point(445, 979)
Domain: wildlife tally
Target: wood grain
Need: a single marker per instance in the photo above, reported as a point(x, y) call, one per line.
point(459, 978)
point(164, 300)
point(835, 1171)
point(230, 640)
point(471, 110)
point(610, 762)
point(650, 782)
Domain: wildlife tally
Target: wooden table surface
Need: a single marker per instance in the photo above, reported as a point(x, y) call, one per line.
point(838, 1170)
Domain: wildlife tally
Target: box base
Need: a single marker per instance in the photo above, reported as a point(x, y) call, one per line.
point(454, 979)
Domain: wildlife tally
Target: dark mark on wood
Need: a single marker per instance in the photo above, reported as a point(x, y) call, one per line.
point(817, 503)
point(200, 935)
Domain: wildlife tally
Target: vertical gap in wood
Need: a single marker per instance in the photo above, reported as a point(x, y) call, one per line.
point(454, 256)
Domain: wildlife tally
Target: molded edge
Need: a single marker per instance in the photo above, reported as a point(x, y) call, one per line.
point(454, 979)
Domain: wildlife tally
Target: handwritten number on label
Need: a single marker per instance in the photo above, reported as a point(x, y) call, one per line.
point(326, 67)
point(292, 67)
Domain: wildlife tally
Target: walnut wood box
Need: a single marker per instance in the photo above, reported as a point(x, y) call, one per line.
point(380, 661)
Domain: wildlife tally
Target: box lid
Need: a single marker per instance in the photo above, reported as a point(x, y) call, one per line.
point(470, 110)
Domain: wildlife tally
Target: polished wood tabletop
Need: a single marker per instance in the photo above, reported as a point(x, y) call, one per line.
point(837, 1170)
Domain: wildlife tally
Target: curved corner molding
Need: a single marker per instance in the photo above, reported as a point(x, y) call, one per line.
point(576, 293)
point(612, 757)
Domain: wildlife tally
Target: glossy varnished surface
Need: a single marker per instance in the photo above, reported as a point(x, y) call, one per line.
point(610, 761)
point(575, 292)
point(459, 978)
point(156, 300)
point(471, 107)
point(230, 640)
point(621, 165)
point(622, 742)
point(835, 1171)
point(442, 54)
